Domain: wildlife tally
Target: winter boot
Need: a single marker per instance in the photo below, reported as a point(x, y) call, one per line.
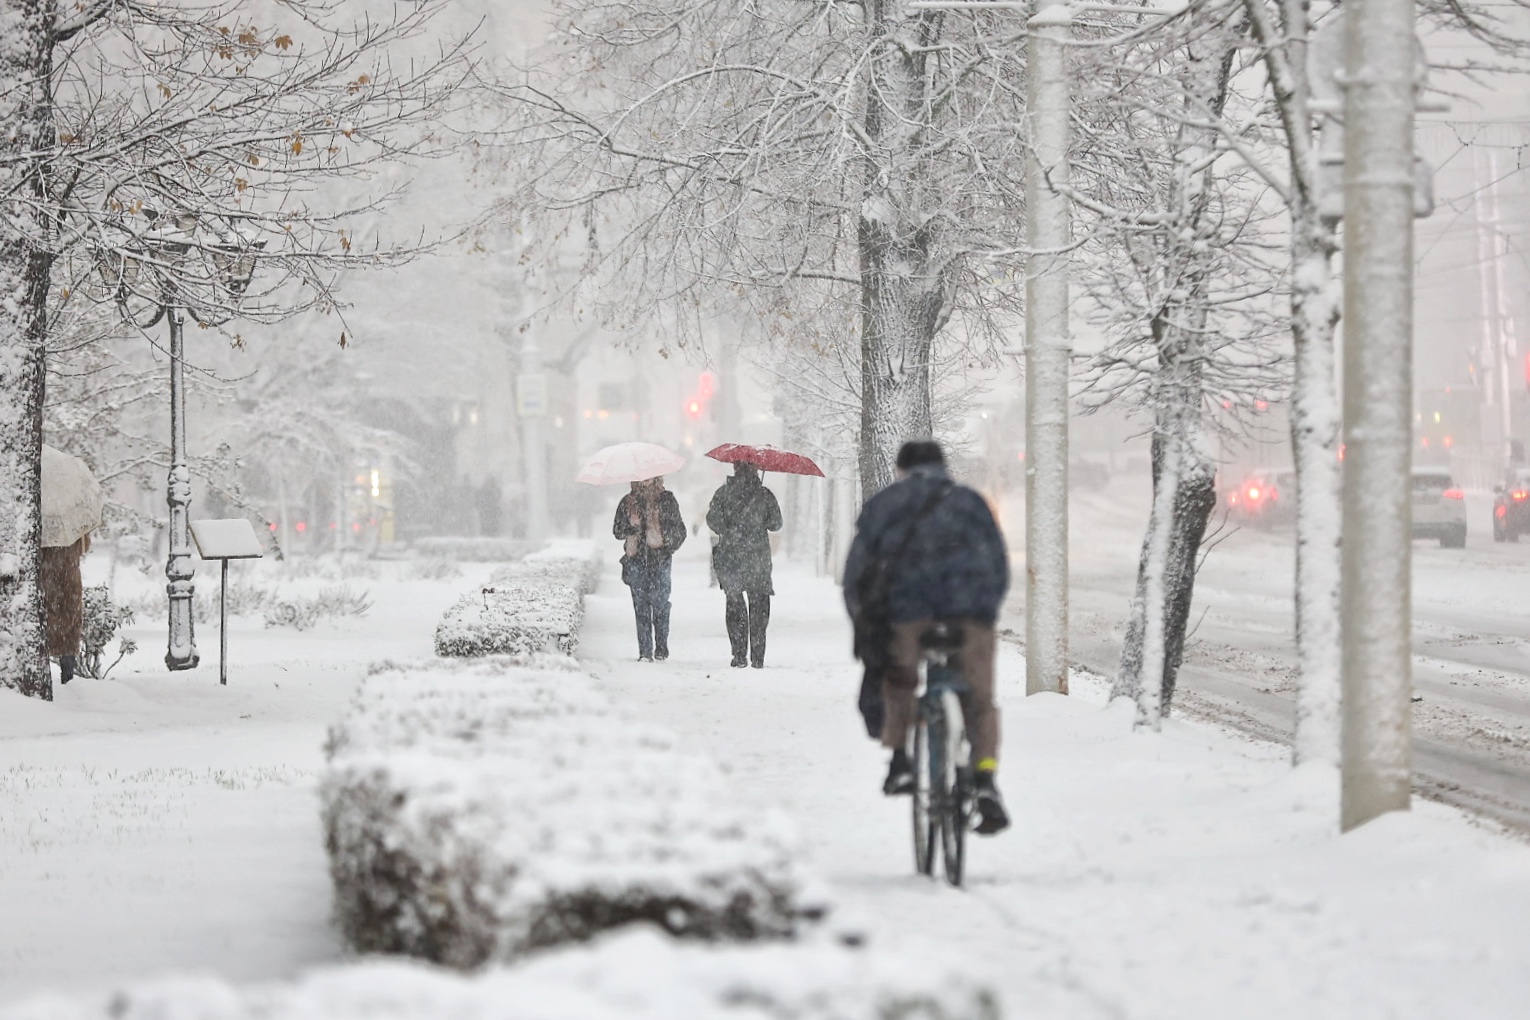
point(900, 775)
point(992, 818)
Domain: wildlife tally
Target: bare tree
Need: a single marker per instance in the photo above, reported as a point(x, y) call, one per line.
point(1281, 30)
point(26, 130)
point(784, 156)
point(1179, 275)
point(170, 154)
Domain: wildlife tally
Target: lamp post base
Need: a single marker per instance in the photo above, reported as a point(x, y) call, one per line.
point(182, 651)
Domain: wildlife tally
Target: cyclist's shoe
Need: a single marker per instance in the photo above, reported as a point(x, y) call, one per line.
point(739, 662)
point(660, 654)
point(992, 818)
point(645, 658)
point(900, 775)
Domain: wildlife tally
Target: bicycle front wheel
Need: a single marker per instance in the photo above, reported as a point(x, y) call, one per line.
point(925, 819)
point(952, 798)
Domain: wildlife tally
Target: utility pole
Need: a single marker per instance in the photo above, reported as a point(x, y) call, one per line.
point(1378, 401)
point(531, 407)
point(1047, 352)
point(1047, 342)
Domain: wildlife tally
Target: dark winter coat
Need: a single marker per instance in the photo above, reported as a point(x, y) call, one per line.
point(63, 597)
point(742, 512)
point(954, 564)
point(671, 526)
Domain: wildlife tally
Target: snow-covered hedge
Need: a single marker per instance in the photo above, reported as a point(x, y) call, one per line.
point(532, 606)
point(637, 975)
point(477, 810)
point(578, 555)
point(474, 550)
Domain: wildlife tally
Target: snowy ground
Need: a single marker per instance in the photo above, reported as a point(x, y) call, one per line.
point(1471, 634)
point(1190, 874)
point(155, 823)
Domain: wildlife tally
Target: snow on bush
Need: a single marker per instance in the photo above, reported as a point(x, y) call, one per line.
point(533, 606)
point(474, 550)
point(580, 554)
point(302, 611)
point(636, 975)
point(475, 811)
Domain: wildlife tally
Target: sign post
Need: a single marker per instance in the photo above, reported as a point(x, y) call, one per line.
point(232, 539)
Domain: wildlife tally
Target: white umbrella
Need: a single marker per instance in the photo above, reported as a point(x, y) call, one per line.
point(71, 498)
point(629, 462)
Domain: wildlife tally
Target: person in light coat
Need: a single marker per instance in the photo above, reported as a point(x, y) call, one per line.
point(649, 525)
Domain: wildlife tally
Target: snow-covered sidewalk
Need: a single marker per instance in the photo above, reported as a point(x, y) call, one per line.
point(1182, 875)
point(156, 824)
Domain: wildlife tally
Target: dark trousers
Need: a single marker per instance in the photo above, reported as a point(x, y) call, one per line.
point(747, 616)
point(649, 582)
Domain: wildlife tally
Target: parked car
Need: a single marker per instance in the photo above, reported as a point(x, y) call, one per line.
point(1263, 500)
point(1511, 506)
point(1439, 508)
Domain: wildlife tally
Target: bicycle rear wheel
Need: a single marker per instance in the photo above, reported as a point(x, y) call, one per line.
point(953, 798)
point(925, 820)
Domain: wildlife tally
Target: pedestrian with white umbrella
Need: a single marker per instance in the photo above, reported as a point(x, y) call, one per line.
point(71, 510)
point(650, 528)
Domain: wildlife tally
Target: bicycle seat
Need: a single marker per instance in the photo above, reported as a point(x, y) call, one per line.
point(942, 637)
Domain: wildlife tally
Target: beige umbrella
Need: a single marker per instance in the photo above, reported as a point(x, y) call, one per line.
point(629, 462)
point(71, 498)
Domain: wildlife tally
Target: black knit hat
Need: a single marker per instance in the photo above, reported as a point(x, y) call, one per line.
point(919, 451)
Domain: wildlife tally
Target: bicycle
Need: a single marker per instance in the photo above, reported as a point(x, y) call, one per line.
point(942, 758)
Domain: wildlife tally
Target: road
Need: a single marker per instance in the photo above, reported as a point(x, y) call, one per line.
point(1471, 628)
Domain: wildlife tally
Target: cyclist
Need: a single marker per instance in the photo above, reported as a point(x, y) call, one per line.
point(927, 549)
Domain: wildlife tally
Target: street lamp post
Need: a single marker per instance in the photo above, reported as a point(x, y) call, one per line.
point(154, 268)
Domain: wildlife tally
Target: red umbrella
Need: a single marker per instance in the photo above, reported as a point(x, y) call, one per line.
point(766, 458)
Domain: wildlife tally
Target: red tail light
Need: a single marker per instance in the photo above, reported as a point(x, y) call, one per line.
point(1520, 495)
point(1500, 511)
point(1253, 493)
point(1454, 494)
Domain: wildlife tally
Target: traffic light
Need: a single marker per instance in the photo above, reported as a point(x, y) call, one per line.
point(696, 403)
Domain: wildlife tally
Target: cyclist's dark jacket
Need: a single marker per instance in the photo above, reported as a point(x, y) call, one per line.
point(742, 512)
point(955, 564)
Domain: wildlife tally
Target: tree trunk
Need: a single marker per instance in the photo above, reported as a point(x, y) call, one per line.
point(27, 123)
point(1193, 504)
point(1314, 402)
point(903, 296)
point(1166, 578)
point(1315, 449)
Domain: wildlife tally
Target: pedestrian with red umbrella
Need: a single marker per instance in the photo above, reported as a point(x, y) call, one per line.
point(743, 513)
